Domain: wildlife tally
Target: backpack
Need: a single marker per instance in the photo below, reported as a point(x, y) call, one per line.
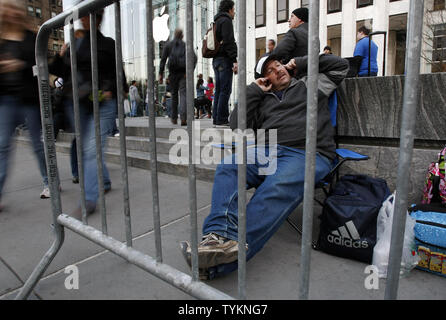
point(177, 56)
point(434, 190)
point(349, 217)
point(210, 44)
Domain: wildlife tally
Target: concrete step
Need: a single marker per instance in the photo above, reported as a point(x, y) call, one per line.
point(141, 144)
point(138, 147)
point(132, 142)
point(140, 159)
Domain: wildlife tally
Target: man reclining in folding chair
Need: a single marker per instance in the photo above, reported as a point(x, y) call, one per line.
point(274, 101)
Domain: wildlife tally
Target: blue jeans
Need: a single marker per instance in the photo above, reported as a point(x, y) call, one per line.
point(13, 112)
point(107, 110)
point(133, 108)
point(223, 88)
point(275, 198)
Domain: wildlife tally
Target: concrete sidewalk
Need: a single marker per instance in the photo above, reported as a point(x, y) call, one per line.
point(25, 236)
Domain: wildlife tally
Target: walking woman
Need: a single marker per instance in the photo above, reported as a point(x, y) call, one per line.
point(19, 98)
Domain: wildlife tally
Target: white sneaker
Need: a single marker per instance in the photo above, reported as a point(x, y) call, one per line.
point(45, 193)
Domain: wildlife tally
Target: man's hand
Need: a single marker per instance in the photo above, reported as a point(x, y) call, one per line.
point(160, 79)
point(235, 68)
point(291, 65)
point(11, 65)
point(264, 84)
point(63, 50)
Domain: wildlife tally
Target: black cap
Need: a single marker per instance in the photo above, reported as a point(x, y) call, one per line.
point(302, 14)
point(261, 64)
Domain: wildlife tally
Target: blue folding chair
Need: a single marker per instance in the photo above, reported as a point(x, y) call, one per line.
point(342, 156)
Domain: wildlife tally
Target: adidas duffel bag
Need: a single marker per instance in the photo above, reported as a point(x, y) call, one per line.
point(348, 219)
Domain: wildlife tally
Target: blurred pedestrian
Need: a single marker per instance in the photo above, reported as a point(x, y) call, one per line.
point(201, 102)
point(19, 97)
point(175, 52)
point(210, 95)
point(135, 99)
point(61, 66)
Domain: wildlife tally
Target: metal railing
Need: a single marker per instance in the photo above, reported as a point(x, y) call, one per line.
point(155, 266)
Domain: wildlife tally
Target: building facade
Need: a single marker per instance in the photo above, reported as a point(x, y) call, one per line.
point(40, 11)
point(268, 19)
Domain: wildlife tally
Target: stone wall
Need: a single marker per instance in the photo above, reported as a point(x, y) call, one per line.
point(369, 122)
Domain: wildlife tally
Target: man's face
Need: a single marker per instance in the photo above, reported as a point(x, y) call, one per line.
point(232, 12)
point(294, 21)
point(86, 22)
point(277, 75)
point(270, 46)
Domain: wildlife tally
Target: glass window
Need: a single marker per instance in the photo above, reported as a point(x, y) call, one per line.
point(260, 13)
point(260, 47)
point(364, 3)
point(439, 45)
point(30, 11)
point(282, 11)
point(439, 5)
point(38, 12)
point(334, 6)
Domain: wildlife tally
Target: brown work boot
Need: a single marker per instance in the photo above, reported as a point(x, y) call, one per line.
point(213, 250)
point(183, 122)
point(174, 121)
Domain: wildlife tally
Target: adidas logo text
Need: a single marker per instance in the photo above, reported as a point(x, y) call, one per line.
point(347, 236)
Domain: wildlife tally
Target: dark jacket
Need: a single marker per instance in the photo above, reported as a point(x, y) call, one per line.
point(225, 32)
point(294, 44)
point(21, 84)
point(288, 116)
point(166, 53)
point(61, 66)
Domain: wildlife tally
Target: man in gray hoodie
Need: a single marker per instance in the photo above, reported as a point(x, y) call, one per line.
point(275, 101)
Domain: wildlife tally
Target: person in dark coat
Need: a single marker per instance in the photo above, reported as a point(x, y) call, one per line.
point(61, 66)
point(295, 42)
point(225, 62)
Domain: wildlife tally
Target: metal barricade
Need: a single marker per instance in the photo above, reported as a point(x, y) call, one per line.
point(155, 266)
point(180, 280)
